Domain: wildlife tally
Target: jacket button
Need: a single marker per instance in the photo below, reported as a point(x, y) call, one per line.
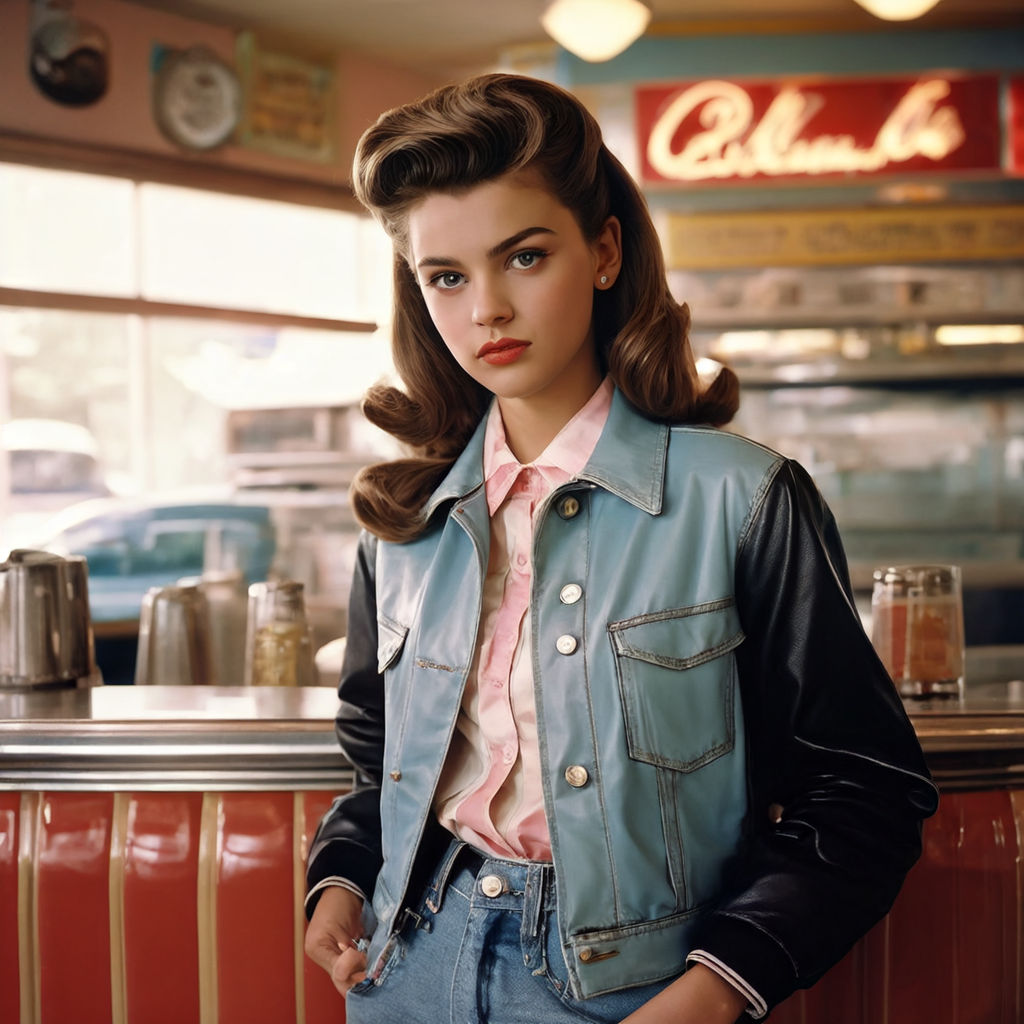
point(577, 776)
point(566, 644)
point(569, 507)
point(396, 775)
point(589, 955)
point(570, 593)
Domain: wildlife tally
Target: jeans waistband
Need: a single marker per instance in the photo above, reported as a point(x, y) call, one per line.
point(496, 884)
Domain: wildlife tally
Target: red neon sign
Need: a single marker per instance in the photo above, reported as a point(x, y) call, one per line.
point(718, 130)
point(1015, 129)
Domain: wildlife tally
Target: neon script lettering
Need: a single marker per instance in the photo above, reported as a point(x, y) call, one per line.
point(731, 144)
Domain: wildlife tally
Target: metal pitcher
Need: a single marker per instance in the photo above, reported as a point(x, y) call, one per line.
point(174, 638)
point(46, 637)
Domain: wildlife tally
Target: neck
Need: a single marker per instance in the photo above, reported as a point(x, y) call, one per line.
point(533, 422)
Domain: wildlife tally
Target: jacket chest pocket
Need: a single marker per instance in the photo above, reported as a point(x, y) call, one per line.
point(676, 683)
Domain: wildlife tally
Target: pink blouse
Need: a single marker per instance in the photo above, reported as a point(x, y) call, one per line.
point(490, 791)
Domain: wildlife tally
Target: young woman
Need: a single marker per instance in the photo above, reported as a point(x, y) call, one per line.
point(624, 751)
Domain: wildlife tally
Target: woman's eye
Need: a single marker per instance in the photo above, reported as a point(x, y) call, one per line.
point(527, 259)
point(446, 280)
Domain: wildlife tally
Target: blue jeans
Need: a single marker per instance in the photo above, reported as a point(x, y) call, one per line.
point(482, 948)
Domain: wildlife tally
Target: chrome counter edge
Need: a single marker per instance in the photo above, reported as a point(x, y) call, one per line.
point(179, 738)
point(233, 739)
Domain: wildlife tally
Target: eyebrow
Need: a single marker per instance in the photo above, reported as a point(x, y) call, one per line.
point(502, 247)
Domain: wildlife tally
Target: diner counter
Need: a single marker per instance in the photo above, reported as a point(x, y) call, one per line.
point(264, 738)
point(182, 738)
point(171, 825)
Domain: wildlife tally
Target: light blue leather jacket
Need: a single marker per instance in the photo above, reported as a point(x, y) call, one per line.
point(639, 638)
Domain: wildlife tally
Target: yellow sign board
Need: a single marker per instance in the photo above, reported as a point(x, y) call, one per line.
point(801, 238)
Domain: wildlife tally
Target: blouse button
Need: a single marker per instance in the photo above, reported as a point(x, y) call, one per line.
point(577, 776)
point(569, 507)
point(570, 593)
point(395, 775)
point(566, 644)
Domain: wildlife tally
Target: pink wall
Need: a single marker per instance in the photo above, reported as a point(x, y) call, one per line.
point(122, 119)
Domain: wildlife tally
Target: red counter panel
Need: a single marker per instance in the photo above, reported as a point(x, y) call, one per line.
point(159, 837)
point(323, 1004)
point(72, 893)
point(158, 908)
point(951, 951)
point(10, 961)
point(255, 915)
point(185, 908)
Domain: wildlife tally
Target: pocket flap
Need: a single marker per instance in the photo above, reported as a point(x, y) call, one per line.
point(676, 686)
point(680, 639)
point(390, 641)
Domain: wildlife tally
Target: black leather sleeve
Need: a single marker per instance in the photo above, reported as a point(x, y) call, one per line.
point(347, 843)
point(828, 740)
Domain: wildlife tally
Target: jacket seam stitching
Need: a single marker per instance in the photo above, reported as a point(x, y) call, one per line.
point(757, 501)
point(673, 613)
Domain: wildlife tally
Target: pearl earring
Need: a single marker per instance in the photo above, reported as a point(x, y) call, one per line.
point(604, 279)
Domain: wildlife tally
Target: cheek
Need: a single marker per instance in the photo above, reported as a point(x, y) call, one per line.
point(445, 317)
point(574, 302)
point(441, 316)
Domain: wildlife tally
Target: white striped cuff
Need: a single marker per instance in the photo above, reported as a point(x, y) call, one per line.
point(757, 1007)
point(335, 881)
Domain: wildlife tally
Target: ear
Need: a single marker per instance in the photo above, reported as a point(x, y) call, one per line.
point(607, 250)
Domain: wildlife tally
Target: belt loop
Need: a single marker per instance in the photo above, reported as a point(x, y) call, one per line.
point(436, 889)
point(533, 901)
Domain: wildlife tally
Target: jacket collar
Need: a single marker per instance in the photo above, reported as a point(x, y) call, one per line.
point(629, 461)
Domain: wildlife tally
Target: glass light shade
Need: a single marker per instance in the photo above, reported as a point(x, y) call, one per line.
point(897, 10)
point(595, 30)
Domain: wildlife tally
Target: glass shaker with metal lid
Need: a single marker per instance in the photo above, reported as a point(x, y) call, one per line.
point(279, 644)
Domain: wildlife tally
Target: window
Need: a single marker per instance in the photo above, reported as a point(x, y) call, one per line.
point(138, 319)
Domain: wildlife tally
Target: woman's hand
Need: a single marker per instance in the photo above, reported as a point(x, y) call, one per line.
point(332, 934)
point(700, 996)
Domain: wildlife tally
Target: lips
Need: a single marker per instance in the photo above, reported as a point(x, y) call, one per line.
point(502, 351)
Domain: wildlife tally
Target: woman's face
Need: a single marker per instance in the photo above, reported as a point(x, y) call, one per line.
point(509, 280)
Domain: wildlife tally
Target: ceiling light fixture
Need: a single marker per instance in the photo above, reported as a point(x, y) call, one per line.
point(897, 10)
point(595, 30)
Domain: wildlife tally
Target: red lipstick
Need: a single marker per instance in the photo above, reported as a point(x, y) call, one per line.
point(503, 351)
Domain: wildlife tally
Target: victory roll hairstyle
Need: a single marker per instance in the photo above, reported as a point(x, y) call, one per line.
point(455, 138)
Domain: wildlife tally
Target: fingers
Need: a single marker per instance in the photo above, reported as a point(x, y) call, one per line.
point(324, 945)
point(348, 969)
point(334, 928)
point(322, 948)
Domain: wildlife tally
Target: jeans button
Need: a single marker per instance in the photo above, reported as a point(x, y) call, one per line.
point(492, 886)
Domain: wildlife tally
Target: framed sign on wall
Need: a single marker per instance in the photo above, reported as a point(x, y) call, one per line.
point(289, 104)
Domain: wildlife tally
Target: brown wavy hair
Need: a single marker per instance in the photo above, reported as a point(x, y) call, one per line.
point(463, 135)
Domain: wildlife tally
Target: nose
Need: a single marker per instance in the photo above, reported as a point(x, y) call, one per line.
point(491, 305)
